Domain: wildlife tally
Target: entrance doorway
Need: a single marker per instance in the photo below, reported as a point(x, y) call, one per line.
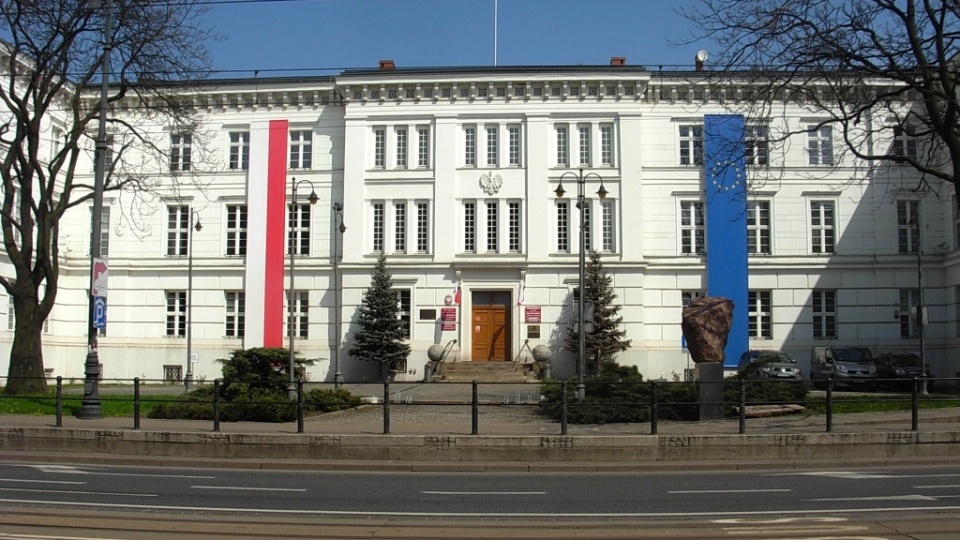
point(491, 326)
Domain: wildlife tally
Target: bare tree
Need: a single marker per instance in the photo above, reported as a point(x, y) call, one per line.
point(883, 74)
point(49, 75)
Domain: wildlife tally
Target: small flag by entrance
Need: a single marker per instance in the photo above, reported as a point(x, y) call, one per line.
point(456, 294)
point(520, 294)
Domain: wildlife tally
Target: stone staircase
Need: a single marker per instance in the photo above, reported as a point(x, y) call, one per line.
point(485, 372)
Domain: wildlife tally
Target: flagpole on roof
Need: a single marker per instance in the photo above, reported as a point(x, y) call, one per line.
point(495, 17)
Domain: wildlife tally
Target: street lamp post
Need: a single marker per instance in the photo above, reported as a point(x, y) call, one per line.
point(90, 406)
point(920, 315)
point(341, 228)
point(581, 334)
point(194, 226)
point(292, 248)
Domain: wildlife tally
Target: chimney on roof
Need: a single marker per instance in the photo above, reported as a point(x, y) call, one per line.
point(618, 60)
point(387, 64)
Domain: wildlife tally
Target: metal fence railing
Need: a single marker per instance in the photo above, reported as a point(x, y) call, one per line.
point(649, 402)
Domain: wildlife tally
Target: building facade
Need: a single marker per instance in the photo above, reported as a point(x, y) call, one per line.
point(453, 175)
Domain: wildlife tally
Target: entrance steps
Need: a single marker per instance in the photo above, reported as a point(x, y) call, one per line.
point(484, 372)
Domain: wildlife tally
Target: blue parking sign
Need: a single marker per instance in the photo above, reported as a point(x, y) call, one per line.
point(99, 312)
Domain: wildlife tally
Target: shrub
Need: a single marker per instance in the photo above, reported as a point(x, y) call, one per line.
point(620, 395)
point(254, 389)
point(323, 400)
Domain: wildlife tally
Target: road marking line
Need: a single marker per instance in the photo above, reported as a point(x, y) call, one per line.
point(886, 498)
point(729, 491)
point(937, 487)
point(68, 469)
point(42, 481)
point(241, 488)
point(484, 492)
point(28, 490)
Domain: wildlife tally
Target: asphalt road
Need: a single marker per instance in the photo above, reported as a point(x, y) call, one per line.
point(889, 503)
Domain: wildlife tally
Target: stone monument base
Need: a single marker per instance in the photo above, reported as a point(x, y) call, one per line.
point(710, 381)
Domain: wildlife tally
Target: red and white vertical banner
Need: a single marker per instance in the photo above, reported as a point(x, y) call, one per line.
point(266, 232)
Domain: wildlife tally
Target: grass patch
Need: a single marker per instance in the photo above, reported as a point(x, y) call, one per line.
point(892, 402)
point(120, 405)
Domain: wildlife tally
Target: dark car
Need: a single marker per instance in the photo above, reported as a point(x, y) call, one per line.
point(899, 370)
point(768, 365)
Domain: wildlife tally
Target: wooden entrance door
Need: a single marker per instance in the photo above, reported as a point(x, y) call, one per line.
point(491, 326)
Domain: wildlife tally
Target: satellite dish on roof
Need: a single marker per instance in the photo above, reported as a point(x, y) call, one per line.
point(702, 56)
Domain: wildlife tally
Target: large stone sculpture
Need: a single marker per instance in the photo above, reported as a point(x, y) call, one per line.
point(706, 325)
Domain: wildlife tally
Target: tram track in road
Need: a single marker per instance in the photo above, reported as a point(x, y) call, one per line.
point(33, 524)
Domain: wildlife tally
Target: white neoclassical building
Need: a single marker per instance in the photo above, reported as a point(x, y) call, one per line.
point(452, 173)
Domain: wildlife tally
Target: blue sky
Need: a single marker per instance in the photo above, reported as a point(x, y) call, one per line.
point(279, 37)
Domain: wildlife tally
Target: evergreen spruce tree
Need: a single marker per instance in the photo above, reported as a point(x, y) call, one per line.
point(607, 338)
point(381, 336)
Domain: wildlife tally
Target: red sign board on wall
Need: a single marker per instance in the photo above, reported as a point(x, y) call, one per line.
point(531, 314)
point(448, 318)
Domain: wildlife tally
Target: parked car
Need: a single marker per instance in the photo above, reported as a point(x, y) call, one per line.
point(847, 366)
point(899, 370)
point(768, 365)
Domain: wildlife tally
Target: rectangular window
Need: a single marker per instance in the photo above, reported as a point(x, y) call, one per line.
point(378, 226)
point(608, 227)
point(758, 227)
point(402, 148)
point(587, 229)
point(513, 132)
point(904, 143)
point(400, 227)
point(235, 313)
point(492, 147)
point(300, 315)
point(379, 148)
point(470, 146)
point(908, 230)
point(470, 227)
point(176, 313)
point(423, 227)
point(824, 314)
point(11, 314)
point(820, 145)
point(493, 224)
point(563, 227)
point(584, 132)
point(909, 301)
point(757, 143)
point(761, 315)
point(301, 149)
point(692, 228)
point(514, 227)
point(239, 150)
point(606, 146)
point(687, 296)
point(104, 230)
point(563, 146)
point(404, 310)
point(236, 229)
point(423, 159)
point(180, 147)
point(691, 145)
point(298, 229)
point(956, 222)
point(822, 226)
point(178, 230)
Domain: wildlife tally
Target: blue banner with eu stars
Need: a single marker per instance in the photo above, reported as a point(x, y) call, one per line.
point(725, 198)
